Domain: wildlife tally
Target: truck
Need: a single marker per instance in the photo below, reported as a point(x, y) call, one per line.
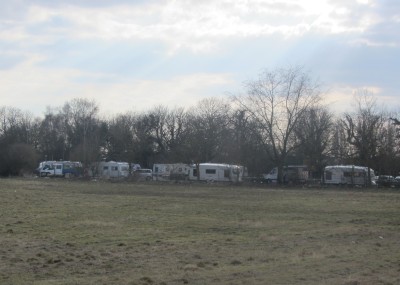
point(59, 168)
point(291, 174)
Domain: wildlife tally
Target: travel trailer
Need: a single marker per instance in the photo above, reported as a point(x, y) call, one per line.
point(59, 168)
point(348, 175)
point(216, 172)
point(291, 174)
point(172, 171)
point(110, 169)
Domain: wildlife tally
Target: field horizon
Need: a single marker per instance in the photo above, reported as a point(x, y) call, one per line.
point(60, 231)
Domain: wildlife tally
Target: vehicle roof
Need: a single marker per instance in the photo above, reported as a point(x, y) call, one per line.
point(345, 167)
point(113, 163)
point(209, 164)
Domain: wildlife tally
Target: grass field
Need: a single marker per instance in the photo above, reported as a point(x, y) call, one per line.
point(56, 231)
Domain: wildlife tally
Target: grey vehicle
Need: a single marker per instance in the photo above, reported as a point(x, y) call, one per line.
point(386, 181)
point(143, 174)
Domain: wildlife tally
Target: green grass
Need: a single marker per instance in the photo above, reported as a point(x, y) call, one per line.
point(55, 231)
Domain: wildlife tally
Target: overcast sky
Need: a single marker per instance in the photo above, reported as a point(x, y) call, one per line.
point(132, 55)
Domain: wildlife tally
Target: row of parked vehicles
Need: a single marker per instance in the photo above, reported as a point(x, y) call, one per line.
point(109, 169)
point(295, 174)
point(160, 172)
point(350, 175)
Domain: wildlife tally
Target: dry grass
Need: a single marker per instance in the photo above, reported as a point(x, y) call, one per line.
point(68, 232)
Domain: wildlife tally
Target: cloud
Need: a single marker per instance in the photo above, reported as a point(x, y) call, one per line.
point(35, 88)
point(198, 26)
point(182, 91)
point(341, 98)
point(126, 53)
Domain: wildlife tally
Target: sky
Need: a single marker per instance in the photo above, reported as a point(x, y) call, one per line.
point(132, 55)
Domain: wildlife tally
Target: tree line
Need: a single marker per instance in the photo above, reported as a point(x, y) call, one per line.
point(279, 119)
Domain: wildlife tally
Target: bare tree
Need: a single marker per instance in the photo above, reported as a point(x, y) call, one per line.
point(52, 141)
point(16, 125)
point(340, 148)
point(143, 139)
point(276, 101)
point(314, 135)
point(208, 123)
point(118, 142)
point(364, 129)
point(81, 118)
point(16, 141)
point(169, 131)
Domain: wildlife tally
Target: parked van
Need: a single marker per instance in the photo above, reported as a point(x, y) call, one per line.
point(291, 174)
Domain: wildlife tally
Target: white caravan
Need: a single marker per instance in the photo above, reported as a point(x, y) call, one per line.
point(348, 175)
point(111, 169)
point(171, 171)
point(291, 173)
point(216, 172)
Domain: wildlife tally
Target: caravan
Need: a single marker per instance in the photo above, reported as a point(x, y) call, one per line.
point(110, 169)
point(348, 175)
point(216, 172)
point(171, 171)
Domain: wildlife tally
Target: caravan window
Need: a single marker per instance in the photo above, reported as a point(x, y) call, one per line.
point(59, 167)
point(114, 168)
point(156, 169)
point(211, 171)
point(105, 167)
point(195, 172)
